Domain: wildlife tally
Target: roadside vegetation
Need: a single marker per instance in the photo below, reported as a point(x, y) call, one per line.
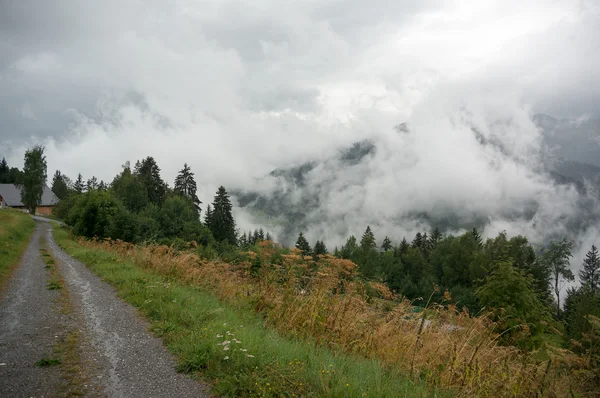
point(225, 340)
point(15, 230)
point(325, 307)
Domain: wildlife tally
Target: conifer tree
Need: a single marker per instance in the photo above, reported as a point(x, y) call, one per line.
point(222, 223)
point(185, 185)
point(435, 237)
point(387, 244)
point(302, 244)
point(59, 185)
point(590, 274)
point(477, 237)
point(149, 173)
point(320, 248)
point(268, 237)
point(367, 242)
point(403, 247)
point(79, 186)
point(208, 216)
point(92, 183)
point(243, 240)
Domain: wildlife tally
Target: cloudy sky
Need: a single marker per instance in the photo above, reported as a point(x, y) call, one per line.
point(237, 88)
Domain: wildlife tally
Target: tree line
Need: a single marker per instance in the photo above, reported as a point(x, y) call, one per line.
point(501, 272)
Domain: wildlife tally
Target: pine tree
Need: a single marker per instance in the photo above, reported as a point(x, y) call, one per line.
point(590, 274)
point(477, 237)
point(78, 187)
point(185, 185)
point(387, 244)
point(417, 242)
point(149, 173)
point(243, 240)
point(4, 170)
point(320, 248)
point(208, 216)
point(268, 237)
point(403, 247)
point(302, 244)
point(59, 185)
point(435, 237)
point(92, 183)
point(367, 242)
point(33, 178)
point(102, 186)
point(222, 223)
point(261, 234)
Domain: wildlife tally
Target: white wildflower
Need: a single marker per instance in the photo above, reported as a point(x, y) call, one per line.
point(250, 356)
point(226, 348)
point(219, 336)
point(226, 358)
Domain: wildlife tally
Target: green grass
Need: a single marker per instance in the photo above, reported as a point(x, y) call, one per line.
point(15, 230)
point(44, 362)
point(194, 325)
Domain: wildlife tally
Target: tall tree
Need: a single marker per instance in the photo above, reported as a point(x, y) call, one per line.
point(4, 169)
point(302, 244)
point(185, 185)
point(59, 185)
point(34, 178)
point(435, 237)
point(367, 242)
point(208, 216)
point(222, 223)
point(149, 173)
point(556, 258)
point(92, 183)
point(79, 186)
point(387, 244)
point(320, 248)
point(590, 274)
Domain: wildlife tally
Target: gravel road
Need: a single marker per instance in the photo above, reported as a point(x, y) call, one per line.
point(122, 356)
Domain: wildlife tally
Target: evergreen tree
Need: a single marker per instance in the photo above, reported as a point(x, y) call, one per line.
point(4, 170)
point(320, 248)
point(403, 247)
point(435, 238)
point(185, 185)
point(556, 258)
point(34, 178)
point(208, 216)
point(336, 252)
point(92, 183)
point(149, 174)
point(79, 186)
point(302, 244)
point(417, 242)
point(59, 185)
point(243, 242)
point(102, 186)
point(349, 249)
point(387, 244)
point(130, 190)
point(261, 234)
point(222, 223)
point(268, 237)
point(367, 242)
point(590, 274)
point(477, 236)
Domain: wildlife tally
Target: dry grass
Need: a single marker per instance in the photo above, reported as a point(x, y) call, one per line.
point(325, 300)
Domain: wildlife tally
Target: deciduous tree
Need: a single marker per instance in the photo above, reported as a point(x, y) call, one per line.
point(34, 178)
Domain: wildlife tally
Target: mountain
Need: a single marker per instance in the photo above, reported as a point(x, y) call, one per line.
point(307, 195)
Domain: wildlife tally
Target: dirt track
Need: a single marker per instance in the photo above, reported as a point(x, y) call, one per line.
point(117, 355)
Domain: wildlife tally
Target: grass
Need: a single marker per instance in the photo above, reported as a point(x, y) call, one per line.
point(67, 346)
point(230, 346)
point(15, 230)
point(45, 362)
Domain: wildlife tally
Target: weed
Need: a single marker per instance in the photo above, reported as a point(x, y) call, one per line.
point(45, 362)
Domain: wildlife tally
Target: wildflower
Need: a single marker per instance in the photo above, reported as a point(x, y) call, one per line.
point(250, 356)
point(219, 336)
point(226, 348)
point(243, 349)
point(226, 358)
point(347, 385)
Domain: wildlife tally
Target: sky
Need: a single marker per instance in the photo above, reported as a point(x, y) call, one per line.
point(238, 88)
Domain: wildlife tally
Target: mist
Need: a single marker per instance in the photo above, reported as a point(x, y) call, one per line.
point(238, 90)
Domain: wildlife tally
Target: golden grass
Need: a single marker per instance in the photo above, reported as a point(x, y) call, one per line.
point(326, 301)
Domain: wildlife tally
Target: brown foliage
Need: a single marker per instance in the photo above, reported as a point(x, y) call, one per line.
point(326, 301)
